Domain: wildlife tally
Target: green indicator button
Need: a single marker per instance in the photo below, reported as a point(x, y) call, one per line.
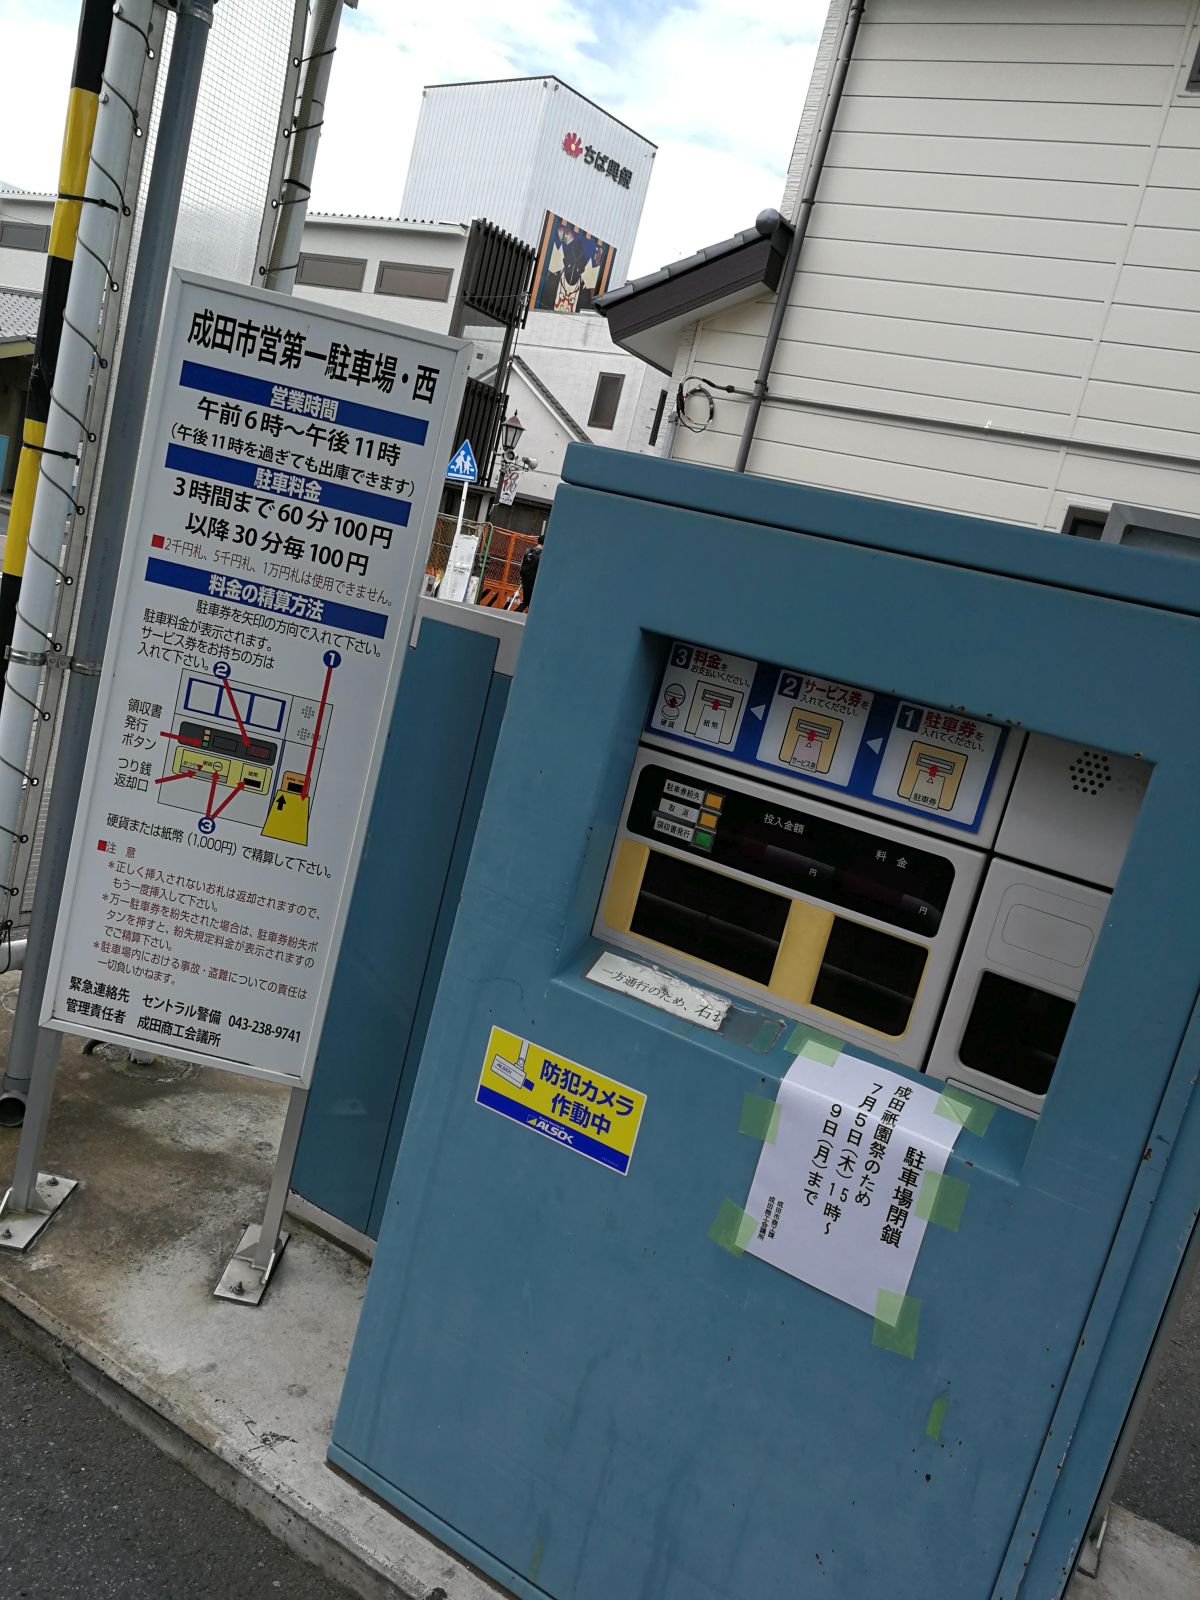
point(703, 839)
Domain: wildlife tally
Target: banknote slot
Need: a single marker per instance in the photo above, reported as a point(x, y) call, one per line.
point(709, 916)
point(869, 977)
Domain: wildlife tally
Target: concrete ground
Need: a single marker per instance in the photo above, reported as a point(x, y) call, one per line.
point(1161, 1480)
point(92, 1510)
point(174, 1162)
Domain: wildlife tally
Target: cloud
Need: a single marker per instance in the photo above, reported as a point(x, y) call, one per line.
point(39, 50)
point(718, 85)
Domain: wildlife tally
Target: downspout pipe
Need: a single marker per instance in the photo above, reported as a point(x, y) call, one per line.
point(804, 211)
point(305, 134)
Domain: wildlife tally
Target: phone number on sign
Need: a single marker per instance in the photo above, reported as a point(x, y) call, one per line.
point(270, 1030)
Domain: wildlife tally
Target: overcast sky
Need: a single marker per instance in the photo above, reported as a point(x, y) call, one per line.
point(718, 85)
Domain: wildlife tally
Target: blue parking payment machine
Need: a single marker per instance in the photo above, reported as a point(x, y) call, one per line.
point(804, 1145)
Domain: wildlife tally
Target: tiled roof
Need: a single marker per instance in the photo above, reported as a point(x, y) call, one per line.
point(18, 315)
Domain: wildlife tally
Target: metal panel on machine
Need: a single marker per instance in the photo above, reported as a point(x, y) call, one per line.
point(735, 1275)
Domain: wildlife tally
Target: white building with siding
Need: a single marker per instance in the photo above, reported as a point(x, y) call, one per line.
point(568, 382)
point(513, 149)
point(997, 304)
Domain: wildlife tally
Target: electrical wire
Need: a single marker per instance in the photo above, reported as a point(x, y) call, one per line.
point(682, 397)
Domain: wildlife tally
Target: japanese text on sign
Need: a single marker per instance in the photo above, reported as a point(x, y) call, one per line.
point(835, 1194)
point(574, 1106)
point(289, 475)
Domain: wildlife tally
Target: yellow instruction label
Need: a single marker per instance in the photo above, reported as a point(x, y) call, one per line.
point(593, 1115)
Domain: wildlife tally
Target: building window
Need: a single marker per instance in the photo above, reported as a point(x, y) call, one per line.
point(1084, 522)
point(1193, 82)
point(331, 272)
point(606, 400)
point(413, 282)
point(23, 236)
point(658, 416)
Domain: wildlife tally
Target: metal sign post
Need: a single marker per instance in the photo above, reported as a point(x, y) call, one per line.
point(462, 469)
point(249, 1271)
point(34, 1196)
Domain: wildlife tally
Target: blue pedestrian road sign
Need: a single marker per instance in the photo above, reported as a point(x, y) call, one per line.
point(462, 468)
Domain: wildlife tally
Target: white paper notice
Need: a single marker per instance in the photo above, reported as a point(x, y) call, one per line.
point(660, 989)
point(835, 1194)
point(290, 470)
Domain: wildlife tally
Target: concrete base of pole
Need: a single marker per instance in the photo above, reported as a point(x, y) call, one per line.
point(18, 1229)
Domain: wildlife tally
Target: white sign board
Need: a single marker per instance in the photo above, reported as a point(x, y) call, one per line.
point(666, 991)
point(836, 1195)
point(288, 481)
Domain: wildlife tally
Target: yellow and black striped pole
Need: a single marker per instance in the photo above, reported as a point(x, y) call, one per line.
point(91, 48)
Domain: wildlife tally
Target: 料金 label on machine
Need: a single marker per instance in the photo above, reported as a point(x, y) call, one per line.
point(562, 1100)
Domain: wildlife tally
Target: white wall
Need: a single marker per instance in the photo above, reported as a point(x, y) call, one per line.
point(495, 150)
point(569, 353)
point(24, 269)
point(1006, 240)
point(374, 241)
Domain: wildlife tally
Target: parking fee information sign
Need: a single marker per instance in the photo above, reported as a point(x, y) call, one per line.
point(287, 486)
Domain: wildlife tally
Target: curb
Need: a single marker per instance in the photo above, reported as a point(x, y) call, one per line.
point(239, 1479)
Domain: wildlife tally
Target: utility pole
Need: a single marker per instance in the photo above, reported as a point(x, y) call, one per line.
point(33, 1054)
point(91, 47)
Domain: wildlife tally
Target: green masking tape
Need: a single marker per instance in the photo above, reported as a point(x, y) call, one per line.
point(760, 1118)
point(940, 1200)
point(937, 1415)
point(733, 1228)
point(896, 1320)
point(814, 1046)
point(963, 1108)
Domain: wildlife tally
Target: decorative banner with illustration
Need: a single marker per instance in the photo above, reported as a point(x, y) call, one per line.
point(842, 1193)
point(290, 469)
point(573, 267)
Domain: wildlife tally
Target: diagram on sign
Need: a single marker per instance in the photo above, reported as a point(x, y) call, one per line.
point(931, 777)
point(702, 695)
point(715, 714)
point(810, 741)
point(239, 753)
point(815, 726)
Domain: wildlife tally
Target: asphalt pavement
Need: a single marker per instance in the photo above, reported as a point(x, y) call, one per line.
point(1161, 1480)
point(93, 1511)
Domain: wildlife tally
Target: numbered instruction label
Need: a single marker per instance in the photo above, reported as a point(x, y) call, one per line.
point(703, 695)
point(815, 726)
point(290, 468)
point(834, 735)
point(578, 1108)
